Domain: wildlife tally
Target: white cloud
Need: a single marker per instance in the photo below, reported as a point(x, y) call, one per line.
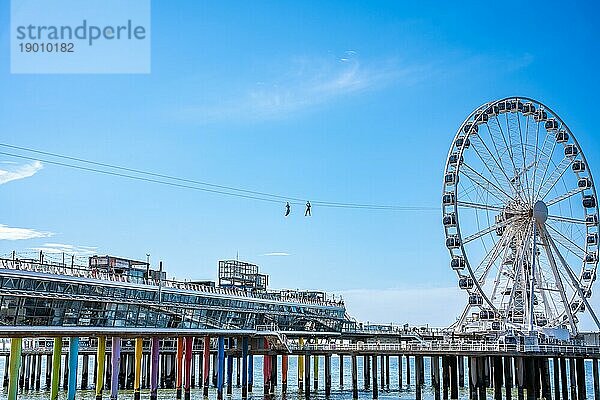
point(19, 171)
point(9, 233)
point(436, 306)
point(276, 254)
point(307, 83)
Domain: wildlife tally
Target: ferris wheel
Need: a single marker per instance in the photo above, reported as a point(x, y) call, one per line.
point(520, 214)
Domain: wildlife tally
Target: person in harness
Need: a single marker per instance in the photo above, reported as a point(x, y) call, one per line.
point(288, 208)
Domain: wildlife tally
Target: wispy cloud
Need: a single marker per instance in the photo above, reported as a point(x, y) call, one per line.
point(307, 83)
point(57, 248)
point(12, 171)
point(276, 254)
point(9, 233)
point(15, 172)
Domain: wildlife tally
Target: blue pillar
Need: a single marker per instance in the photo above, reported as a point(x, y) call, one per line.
point(221, 367)
point(244, 367)
point(250, 372)
point(73, 358)
point(230, 368)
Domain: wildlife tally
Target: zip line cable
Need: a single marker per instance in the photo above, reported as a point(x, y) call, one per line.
point(185, 183)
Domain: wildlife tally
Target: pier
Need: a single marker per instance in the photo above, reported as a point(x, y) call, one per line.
point(129, 328)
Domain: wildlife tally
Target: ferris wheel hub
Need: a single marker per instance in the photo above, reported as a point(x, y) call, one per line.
point(540, 212)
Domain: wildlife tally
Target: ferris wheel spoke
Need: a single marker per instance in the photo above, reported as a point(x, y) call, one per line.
point(524, 150)
point(569, 220)
point(489, 229)
point(545, 152)
point(568, 244)
point(564, 196)
point(489, 260)
point(508, 147)
point(485, 184)
point(559, 171)
point(573, 278)
point(500, 145)
point(488, 160)
point(479, 206)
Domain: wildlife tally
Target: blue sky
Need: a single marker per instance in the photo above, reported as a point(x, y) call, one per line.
point(344, 101)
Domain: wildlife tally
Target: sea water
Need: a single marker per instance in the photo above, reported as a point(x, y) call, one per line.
point(337, 392)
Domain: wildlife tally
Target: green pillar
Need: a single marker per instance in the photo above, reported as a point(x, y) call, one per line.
point(56, 356)
point(16, 345)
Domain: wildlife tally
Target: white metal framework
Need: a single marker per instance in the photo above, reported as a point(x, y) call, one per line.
point(520, 214)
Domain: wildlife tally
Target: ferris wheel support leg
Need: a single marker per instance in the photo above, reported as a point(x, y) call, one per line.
point(457, 326)
point(573, 280)
point(558, 280)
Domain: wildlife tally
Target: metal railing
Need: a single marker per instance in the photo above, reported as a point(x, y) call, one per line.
point(447, 347)
point(89, 273)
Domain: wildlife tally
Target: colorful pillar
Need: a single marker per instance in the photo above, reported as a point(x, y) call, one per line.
point(229, 368)
point(221, 367)
point(188, 344)
point(206, 370)
point(267, 374)
point(56, 356)
point(179, 364)
point(244, 367)
point(284, 373)
point(100, 357)
point(301, 367)
point(154, 358)
point(116, 362)
point(16, 345)
point(139, 343)
point(316, 371)
point(250, 372)
point(73, 361)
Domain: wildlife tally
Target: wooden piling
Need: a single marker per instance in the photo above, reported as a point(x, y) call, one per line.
point(367, 372)
point(407, 370)
point(580, 372)
point(563, 379)
point(327, 375)
point(508, 378)
point(418, 377)
point(400, 372)
point(341, 370)
point(382, 372)
point(375, 388)
point(545, 375)
point(453, 369)
point(354, 378)
point(461, 371)
point(498, 375)
point(435, 376)
point(572, 379)
point(445, 377)
point(307, 375)
point(472, 363)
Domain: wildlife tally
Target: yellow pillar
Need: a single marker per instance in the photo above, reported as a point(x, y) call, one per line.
point(138, 368)
point(301, 366)
point(100, 361)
